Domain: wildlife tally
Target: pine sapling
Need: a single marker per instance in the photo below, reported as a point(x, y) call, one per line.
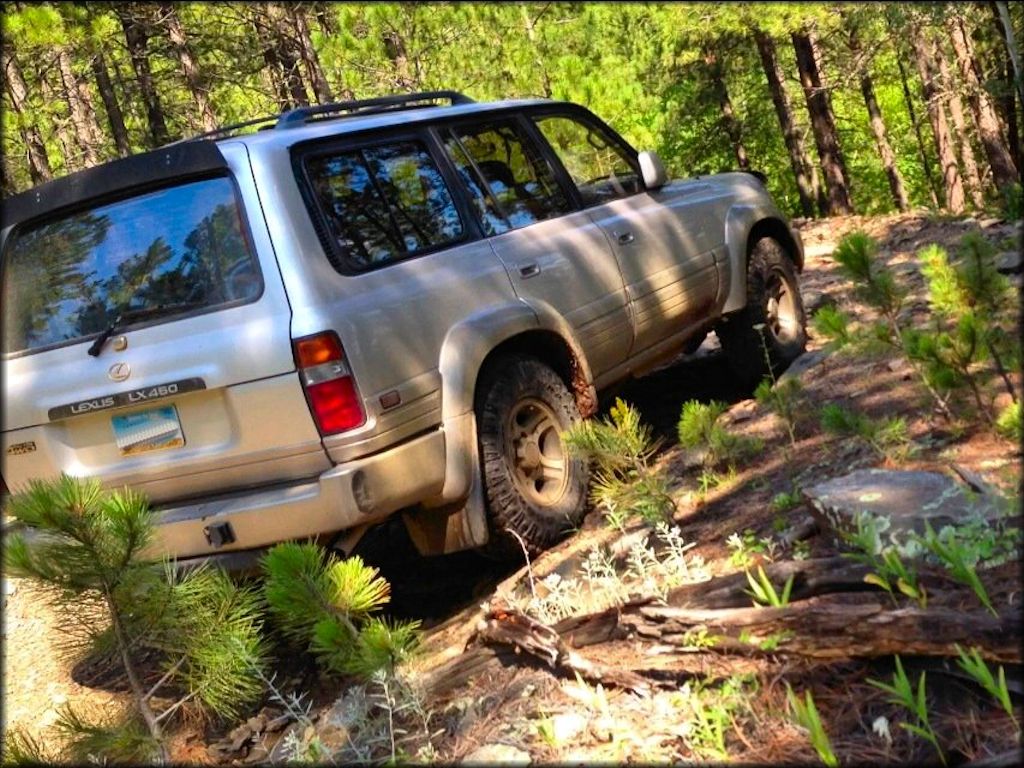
point(87, 548)
point(626, 481)
point(328, 605)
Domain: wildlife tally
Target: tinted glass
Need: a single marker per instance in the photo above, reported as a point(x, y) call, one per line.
point(384, 203)
point(598, 166)
point(179, 247)
point(511, 183)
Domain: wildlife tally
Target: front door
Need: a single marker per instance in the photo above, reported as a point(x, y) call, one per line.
point(554, 253)
point(665, 242)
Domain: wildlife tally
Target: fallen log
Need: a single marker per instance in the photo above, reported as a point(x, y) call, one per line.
point(819, 576)
point(830, 628)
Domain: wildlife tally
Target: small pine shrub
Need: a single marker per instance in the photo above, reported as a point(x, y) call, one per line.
point(699, 428)
point(1010, 423)
point(833, 324)
point(886, 437)
point(327, 604)
point(625, 483)
point(784, 400)
point(87, 552)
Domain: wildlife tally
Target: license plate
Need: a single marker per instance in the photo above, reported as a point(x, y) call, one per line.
point(152, 430)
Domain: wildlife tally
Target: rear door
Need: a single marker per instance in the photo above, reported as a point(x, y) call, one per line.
point(553, 253)
point(666, 245)
point(195, 392)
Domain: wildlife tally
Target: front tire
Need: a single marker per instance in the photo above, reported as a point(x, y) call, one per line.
point(534, 488)
point(773, 318)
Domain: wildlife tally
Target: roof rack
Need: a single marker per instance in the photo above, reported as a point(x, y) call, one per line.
point(225, 130)
point(300, 116)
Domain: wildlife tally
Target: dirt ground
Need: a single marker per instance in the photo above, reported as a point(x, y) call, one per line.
point(552, 719)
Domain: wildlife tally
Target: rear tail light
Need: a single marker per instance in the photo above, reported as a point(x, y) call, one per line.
point(327, 380)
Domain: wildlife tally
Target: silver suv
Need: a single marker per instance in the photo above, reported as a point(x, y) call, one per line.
point(381, 306)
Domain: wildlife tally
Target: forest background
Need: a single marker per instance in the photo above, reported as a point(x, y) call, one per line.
point(847, 107)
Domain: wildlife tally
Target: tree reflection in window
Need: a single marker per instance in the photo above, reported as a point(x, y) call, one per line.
point(384, 203)
point(68, 278)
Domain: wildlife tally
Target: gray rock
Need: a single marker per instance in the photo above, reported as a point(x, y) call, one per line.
point(805, 362)
point(497, 754)
point(815, 300)
point(907, 499)
point(1010, 263)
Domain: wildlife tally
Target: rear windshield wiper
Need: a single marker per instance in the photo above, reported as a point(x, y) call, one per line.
point(131, 315)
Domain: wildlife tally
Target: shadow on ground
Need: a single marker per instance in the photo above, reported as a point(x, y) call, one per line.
point(433, 588)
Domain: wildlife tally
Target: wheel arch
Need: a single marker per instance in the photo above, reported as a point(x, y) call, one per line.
point(745, 225)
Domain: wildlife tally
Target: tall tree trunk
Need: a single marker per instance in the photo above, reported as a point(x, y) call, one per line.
point(1014, 86)
point(83, 117)
point(136, 36)
point(885, 153)
point(1002, 12)
point(38, 163)
point(61, 127)
point(325, 18)
point(961, 135)
point(194, 79)
point(1004, 172)
point(530, 25)
point(824, 127)
point(798, 159)
point(731, 123)
point(286, 54)
point(272, 73)
point(315, 72)
point(922, 152)
point(952, 185)
point(113, 109)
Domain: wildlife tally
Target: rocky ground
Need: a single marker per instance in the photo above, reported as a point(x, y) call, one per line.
point(496, 690)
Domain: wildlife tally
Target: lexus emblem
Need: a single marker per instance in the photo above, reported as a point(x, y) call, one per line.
point(119, 371)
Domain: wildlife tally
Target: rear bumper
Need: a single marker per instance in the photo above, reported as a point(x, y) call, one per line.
point(345, 496)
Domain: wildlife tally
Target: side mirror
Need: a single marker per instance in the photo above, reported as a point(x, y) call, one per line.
point(652, 170)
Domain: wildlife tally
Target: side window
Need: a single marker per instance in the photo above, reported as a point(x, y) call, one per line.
point(383, 203)
point(509, 181)
point(599, 167)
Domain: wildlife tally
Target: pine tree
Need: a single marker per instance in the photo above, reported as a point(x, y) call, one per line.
point(87, 548)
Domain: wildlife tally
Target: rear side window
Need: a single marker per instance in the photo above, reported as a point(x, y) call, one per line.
point(509, 181)
point(383, 203)
point(177, 250)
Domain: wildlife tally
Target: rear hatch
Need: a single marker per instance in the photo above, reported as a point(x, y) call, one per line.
point(146, 332)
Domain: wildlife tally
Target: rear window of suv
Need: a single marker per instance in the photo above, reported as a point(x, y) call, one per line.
point(178, 250)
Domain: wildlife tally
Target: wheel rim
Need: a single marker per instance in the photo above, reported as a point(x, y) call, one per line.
point(535, 454)
point(781, 312)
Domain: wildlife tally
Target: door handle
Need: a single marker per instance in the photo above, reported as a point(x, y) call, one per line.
point(624, 237)
point(529, 270)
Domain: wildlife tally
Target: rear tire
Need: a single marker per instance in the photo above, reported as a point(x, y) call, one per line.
point(534, 488)
point(773, 317)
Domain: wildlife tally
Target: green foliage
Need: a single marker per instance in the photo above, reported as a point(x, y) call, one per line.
point(625, 480)
point(87, 548)
point(959, 558)
point(886, 437)
point(1010, 423)
point(832, 324)
point(21, 748)
point(327, 604)
point(763, 591)
point(713, 712)
point(745, 548)
point(1013, 202)
point(856, 254)
point(699, 428)
point(888, 570)
point(786, 500)
point(903, 694)
point(805, 714)
point(975, 666)
point(783, 398)
point(125, 740)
